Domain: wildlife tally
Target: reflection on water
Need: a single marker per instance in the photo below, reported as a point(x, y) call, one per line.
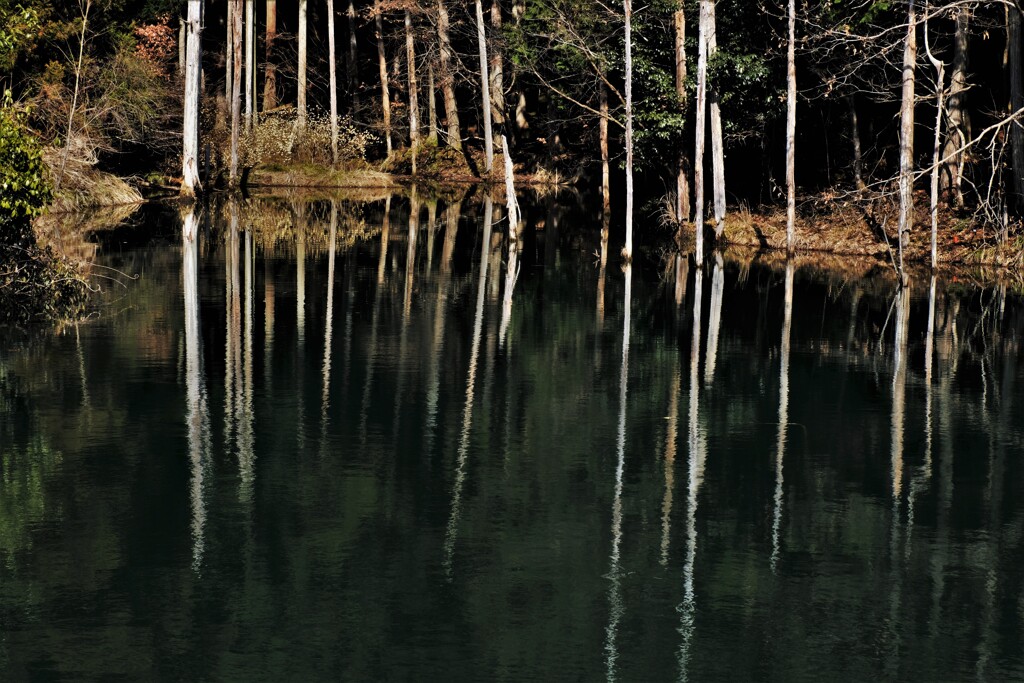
point(771, 474)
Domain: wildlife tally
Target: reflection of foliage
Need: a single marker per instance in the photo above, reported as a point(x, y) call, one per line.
point(23, 501)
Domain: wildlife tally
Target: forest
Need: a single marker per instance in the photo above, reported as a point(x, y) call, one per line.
point(786, 124)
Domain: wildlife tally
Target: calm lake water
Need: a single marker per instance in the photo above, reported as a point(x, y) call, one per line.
point(288, 451)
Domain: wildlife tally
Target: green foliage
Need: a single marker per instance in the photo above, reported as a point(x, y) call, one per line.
point(24, 188)
point(19, 26)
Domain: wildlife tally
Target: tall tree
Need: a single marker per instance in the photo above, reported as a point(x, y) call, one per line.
point(936, 170)
point(332, 61)
point(270, 69)
point(627, 6)
point(717, 143)
point(382, 60)
point(951, 180)
point(451, 107)
point(791, 129)
point(485, 89)
point(250, 61)
point(682, 181)
point(414, 103)
point(190, 130)
point(907, 132)
point(701, 125)
point(236, 86)
point(497, 67)
point(352, 65)
point(301, 103)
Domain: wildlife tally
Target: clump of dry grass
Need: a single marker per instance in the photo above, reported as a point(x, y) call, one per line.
point(276, 139)
point(78, 184)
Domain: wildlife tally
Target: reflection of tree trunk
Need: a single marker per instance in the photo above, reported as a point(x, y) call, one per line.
point(512, 266)
point(382, 60)
point(451, 230)
point(714, 319)
point(780, 446)
point(899, 384)
point(246, 446)
point(695, 476)
point(328, 322)
point(467, 411)
point(616, 608)
point(671, 438)
point(198, 420)
point(385, 237)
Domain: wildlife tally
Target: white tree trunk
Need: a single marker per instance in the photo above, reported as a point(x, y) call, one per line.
point(250, 62)
point(451, 109)
point(270, 70)
point(382, 60)
point(701, 126)
point(431, 105)
point(497, 67)
point(414, 103)
point(907, 134)
point(190, 131)
point(682, 182)
point(606, 194)
point(485, 89)
point(791, 131)
point(301, 104)
point(717, 143)
point(627, 252)
point(333, 70)
point(940, 81)
point(236, 86)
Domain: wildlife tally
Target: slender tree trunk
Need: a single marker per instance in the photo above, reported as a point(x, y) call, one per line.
point(1016, 103)
point(485, 89)
point(951, 180)
point(229, 52)
point(301, 104)
point(431, 105)
point(791, 130)
point(414, 103)
point(682, 181)
point(352, 65)
point(236, 87)
point(182, 41)
point(701, 126)
point(907, 134)
point(497, 67)
point(250, 62)
point(858, 160)
point(940, 80)
point(627, 252)
point(382, 60)
point(190, 131)
point(270, 70)
point(86, 6)
point(333, 71)
point(606, 193)
point(451, 107)
point(717, 143)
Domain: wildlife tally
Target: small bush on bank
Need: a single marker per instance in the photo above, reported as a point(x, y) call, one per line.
point(275, 139)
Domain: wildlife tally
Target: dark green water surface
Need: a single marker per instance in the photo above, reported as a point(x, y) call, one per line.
point(287, 452)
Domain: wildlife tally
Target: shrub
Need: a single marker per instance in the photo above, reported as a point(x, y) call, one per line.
point(24, 188)
point(275, 140)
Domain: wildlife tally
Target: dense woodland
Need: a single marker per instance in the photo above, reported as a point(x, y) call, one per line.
point(712, 104)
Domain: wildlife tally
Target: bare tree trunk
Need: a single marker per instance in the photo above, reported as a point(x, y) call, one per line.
point(85, 6)
point(907, 134)
point(858, 159)
point(190, 131)
point(270, 70)
point(451, 107)
point(236, 87)
point(682, 182)
point(414, 104)
point(229, 54)
point(431, 105)
point(485, 89)
point(606, 194)
point(1016, 103)
point(352, 65)
point(627, 252)
point(385, 94)
point(951, 179)
point(301, 104)
point(791, 130)
point(182, 41)
point(333, 78)
point(250, 62)
point(701, 125)
point(717, 143)
point(940, 82)
point(497, 67)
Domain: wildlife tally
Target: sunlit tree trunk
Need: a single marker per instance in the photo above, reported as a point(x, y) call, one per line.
point(352, 65)
point(414, 104)
point(431, 104)
point(382, 60)
point(190, 130)
point(936, 171)
point(332, 60)
point(182, 43)
point(714, 319)
point(717, 143)
point(485, 89)
point(497, 67)
point(451, 107)
point(682, 181)
point(250, 62)
point(627, 6)
point(858, 160)
point(270, 70)
point(301, 99)
point(951, 180)
point(236, 86)
point(906, 218)
point(701, 127)
point(791, 130)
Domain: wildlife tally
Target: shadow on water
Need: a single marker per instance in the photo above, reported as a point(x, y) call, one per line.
point(395, 436)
